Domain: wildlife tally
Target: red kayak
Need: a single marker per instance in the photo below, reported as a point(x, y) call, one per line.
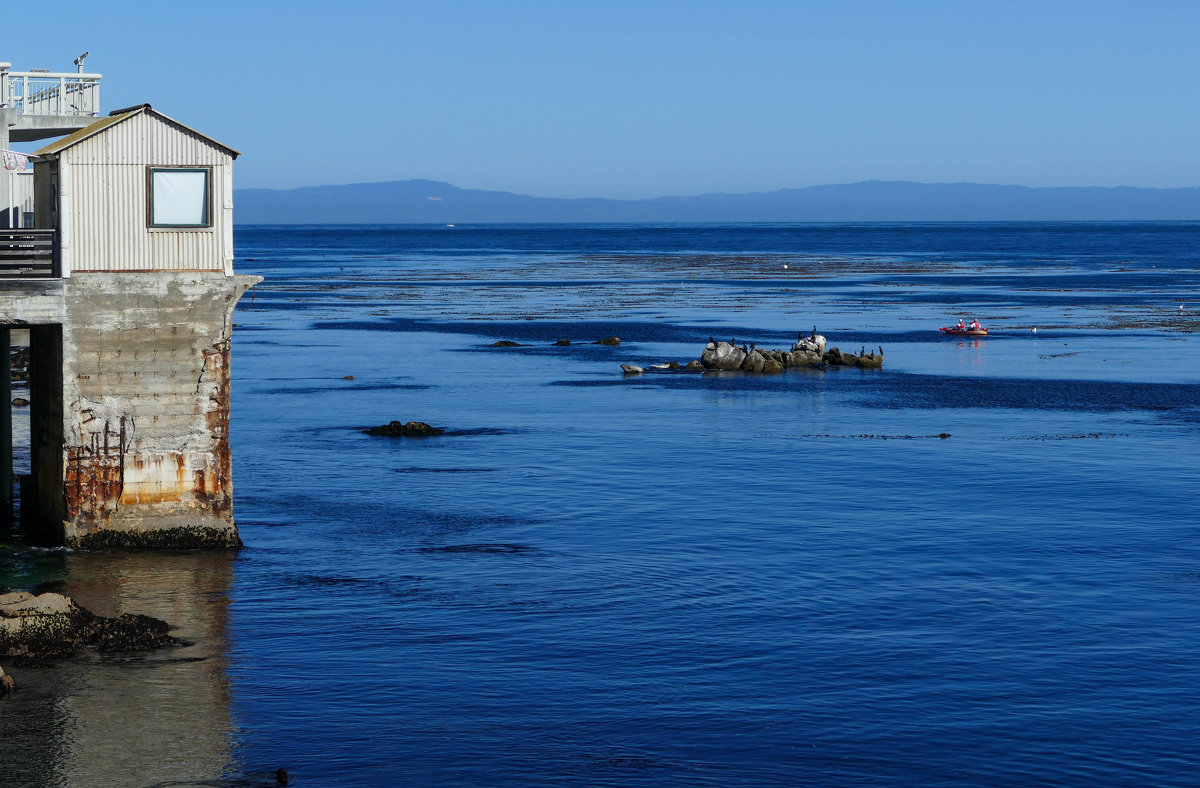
point(955, 331)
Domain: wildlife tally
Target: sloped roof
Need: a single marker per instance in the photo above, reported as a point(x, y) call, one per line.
point(87, 132)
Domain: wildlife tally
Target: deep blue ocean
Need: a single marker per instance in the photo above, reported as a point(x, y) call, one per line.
point(978, 566)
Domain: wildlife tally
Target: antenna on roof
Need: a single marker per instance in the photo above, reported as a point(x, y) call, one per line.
point(79, 61)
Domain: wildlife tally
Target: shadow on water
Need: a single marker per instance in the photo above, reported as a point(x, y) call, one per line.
point(477, 549)
point(902, 390)
point(166, 712)
point(884, 390)
point(339, 386)
point(580, 332)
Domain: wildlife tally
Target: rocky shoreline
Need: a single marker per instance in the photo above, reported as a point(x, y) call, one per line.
point(52, 626)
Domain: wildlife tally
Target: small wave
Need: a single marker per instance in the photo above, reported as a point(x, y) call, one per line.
point(490, 548)
point(445, 470)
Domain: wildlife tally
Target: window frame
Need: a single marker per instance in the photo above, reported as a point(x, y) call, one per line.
point(208, 195)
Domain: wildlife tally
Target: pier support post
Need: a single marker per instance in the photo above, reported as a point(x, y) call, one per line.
point(6, 458)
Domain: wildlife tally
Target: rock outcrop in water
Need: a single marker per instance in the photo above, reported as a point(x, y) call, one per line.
point(52, 625)
point(411, 429)
point(807, 352)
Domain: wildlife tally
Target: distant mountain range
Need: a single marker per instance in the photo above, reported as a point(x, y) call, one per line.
point(421, 201)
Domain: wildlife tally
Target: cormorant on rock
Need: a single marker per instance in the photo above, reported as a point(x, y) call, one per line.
point(881, 350)
point(814, 333)
point(752, 346)
point(799, 335)
point(733, 342)
point(862, 351)
point(712, 341)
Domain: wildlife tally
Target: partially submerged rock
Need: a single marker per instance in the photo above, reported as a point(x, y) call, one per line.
point(807, 352)
point(506, 343)
point(608, 341)
point(53, 625)
point(723, 355)
point(865, 360)
point(632, 369)
point(411, 429)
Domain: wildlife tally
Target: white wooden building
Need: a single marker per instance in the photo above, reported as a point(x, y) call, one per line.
point(137, 192)
point(128, 295)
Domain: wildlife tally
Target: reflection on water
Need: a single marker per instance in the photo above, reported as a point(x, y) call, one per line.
point(126, 719)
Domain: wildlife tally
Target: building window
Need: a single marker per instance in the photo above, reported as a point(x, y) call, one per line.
point(180, 197)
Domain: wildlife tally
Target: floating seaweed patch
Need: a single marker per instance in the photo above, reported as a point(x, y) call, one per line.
point(411, 429)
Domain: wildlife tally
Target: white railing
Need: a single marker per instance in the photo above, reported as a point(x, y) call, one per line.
point(50, 93)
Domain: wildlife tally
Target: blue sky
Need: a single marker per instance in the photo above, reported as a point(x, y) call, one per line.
point(638, 99)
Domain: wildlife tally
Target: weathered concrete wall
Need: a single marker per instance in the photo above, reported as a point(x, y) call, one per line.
point(130, 407)
point(146, 390)
point(32, 302)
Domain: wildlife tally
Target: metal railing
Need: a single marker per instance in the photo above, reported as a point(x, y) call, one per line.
point(28, 254)
point(50, 93)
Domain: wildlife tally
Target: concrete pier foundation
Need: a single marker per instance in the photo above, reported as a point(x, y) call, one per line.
point(129, 407)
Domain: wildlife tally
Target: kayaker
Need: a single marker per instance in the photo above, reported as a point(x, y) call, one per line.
point(961, 325)
point(975, 325)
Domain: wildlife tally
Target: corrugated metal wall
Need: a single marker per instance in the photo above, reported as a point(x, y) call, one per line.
point(107, 206)
point(16, 197)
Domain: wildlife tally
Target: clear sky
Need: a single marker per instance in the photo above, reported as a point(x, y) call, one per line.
point(610, 98)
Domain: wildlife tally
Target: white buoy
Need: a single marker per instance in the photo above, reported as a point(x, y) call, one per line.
point(1034, 329)
point(785, 268)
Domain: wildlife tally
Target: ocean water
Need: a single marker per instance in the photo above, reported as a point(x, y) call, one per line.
point(976, 566)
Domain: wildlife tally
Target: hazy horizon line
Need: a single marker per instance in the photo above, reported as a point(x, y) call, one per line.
point(711, 193)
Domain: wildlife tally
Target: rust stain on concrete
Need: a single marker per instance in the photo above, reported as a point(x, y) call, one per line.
point(95, 471)
point(214, 483)
point(156, 479)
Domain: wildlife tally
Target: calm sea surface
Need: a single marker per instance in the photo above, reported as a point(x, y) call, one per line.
point(979, 565)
